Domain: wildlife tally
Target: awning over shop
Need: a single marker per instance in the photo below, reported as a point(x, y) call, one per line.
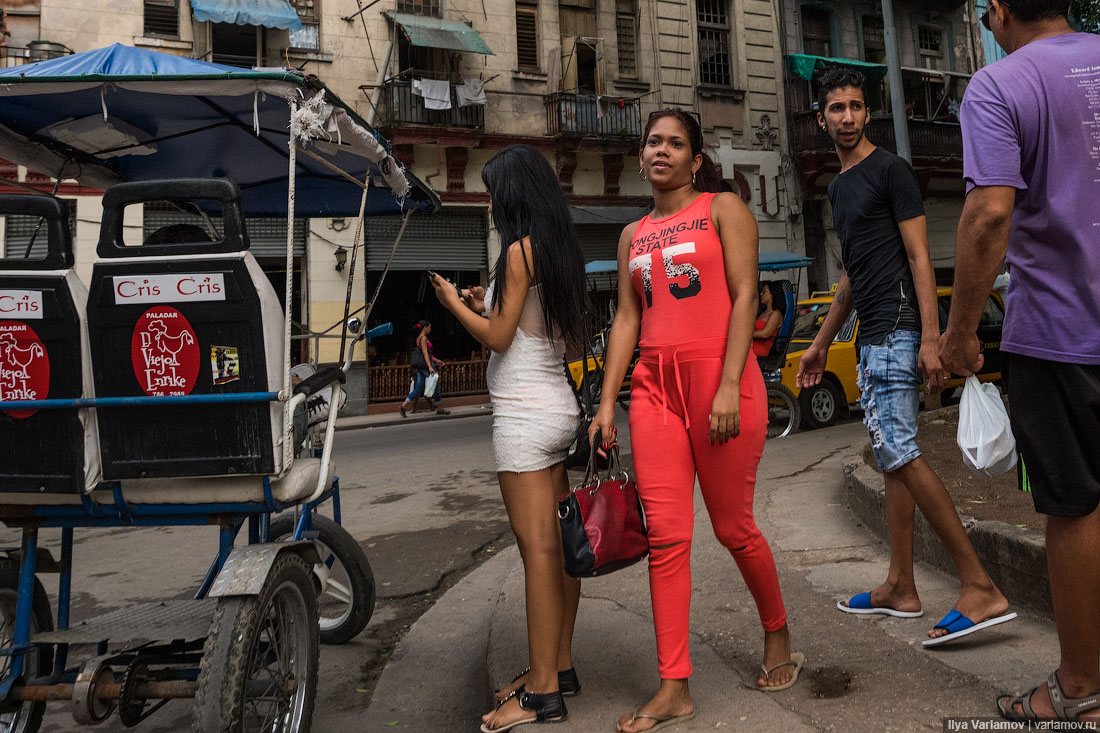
point(620, 215)
point(804, 65)
point(268, 13)
point(436, 33)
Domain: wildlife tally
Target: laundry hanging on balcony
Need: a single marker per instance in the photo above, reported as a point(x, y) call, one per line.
point(470, 91)
point(266, 13)
point(804, 65)
point(436, 94)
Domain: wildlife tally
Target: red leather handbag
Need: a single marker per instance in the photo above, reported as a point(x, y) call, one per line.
point(602, 525)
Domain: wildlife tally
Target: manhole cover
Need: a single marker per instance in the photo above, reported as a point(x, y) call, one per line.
point(826, 682)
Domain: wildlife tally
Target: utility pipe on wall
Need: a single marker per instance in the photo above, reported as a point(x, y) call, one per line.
point(893, 72)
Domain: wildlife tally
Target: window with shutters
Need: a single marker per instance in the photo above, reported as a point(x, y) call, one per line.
point(874, 40)
point(816, 35)
point(430, 8)
point(527, 35)
point(715, 59)
point(162, 18)
point(20, 232)
point(308, 37)
point(626, 37)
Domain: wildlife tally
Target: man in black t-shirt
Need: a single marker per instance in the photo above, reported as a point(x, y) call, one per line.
point(879, 217)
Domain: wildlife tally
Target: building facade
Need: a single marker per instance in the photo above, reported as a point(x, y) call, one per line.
point(941, 47)
point(450, 83)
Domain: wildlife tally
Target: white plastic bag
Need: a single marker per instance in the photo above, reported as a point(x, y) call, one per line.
point(985, 435)
point(430, 384)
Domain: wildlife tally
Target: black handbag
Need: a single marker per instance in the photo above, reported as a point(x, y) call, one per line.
point(416, 360)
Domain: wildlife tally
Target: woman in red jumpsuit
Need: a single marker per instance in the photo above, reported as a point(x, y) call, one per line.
point(687, 297)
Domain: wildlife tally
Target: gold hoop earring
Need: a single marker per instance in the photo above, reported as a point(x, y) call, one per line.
point(693, 179)
point(641, 173)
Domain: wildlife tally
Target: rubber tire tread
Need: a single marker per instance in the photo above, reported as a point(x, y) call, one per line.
point(219, 701)
point(809, 421)
point(43, 621)
point(796, 408)
point(355, 563)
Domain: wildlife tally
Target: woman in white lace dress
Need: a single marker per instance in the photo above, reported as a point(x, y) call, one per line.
point(534, 307)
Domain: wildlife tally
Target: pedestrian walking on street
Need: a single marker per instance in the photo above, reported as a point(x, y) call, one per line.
point(879, 215)
point(1030, 141)
point(688, 297)
point(534, 307)
point(423, 365)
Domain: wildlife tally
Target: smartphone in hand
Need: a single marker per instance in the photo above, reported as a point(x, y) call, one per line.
point(432, 273)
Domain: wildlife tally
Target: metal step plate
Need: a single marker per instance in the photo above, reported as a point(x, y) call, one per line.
point(154, 621)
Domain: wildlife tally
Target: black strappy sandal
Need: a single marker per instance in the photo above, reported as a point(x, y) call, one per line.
point(569, 685)
point(548, 708)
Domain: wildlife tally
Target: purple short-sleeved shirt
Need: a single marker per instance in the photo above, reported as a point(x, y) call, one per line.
point(1032, 121)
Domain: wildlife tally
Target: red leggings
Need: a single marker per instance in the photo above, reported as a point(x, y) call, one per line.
point(670, 399)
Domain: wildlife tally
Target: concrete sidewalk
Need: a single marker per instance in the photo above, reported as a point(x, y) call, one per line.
point(357, 422)
point(861, 673)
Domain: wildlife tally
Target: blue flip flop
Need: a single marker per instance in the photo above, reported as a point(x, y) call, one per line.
point(958, 626)
point(861, 603)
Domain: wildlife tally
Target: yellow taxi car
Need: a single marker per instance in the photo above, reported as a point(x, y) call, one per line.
point(823, 404)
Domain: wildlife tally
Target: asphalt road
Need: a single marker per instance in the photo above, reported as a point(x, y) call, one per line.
point(421, 499)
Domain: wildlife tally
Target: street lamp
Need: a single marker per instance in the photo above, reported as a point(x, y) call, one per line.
point(341, 255)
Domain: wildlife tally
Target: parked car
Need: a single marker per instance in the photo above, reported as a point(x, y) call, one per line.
point(823, 404)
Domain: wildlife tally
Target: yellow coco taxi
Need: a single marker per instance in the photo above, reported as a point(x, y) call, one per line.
point(823, 404)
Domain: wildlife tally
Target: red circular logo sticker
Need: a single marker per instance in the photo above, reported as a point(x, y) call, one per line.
point(165, 352)
point(24, 366)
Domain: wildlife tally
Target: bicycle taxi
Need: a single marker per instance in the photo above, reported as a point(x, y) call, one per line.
point(117, 408)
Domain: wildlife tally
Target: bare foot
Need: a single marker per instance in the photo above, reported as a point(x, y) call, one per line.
point(671, 700)
point(977, 604)
point(900, 597)
point(777, 649)
point(506, 714)
point(1040, 702)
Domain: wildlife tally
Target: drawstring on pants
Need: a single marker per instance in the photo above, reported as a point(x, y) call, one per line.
point(679, 388)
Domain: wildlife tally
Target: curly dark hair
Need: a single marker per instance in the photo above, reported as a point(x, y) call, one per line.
point(839, 77)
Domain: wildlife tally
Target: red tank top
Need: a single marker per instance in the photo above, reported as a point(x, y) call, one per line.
point(678, 272)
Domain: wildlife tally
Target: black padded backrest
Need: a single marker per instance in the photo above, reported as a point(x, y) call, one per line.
point(234, 238)
point(40, 357)
point(162, 324)
point(54, 231)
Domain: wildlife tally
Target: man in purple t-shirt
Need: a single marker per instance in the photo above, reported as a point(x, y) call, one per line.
point(1031, 145)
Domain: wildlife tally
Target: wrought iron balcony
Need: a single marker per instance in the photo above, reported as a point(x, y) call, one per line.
point(35, 51)
point(928, 140)
point(569, 114)
point(400, 106)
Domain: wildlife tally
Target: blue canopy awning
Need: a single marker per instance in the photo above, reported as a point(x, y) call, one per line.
point(774, 261)
point(125, 114)
point(268, 13)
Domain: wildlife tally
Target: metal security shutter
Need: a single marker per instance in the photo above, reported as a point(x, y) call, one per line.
point(599, 241)
point(18, 230)
point(266, 235)
point(451, 239)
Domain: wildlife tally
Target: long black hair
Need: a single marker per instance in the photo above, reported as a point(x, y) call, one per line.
point(779, 298)
point(528, 202)
point(708, 178)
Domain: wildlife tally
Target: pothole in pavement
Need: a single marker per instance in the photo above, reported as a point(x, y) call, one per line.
point(828, 682)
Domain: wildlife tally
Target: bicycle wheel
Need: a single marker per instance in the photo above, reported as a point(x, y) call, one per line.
point(26, 717)
point(783, 411)
point(343, 580)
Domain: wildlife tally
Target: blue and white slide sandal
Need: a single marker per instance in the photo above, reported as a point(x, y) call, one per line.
point(861, 603)
point(960, 626)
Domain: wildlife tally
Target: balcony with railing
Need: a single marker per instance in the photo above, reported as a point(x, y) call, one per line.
point(35, 51)
point(401, 106)
point(928, 140)
point(571, 114)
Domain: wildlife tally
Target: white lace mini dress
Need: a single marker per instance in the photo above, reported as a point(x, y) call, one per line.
point(535, 415)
